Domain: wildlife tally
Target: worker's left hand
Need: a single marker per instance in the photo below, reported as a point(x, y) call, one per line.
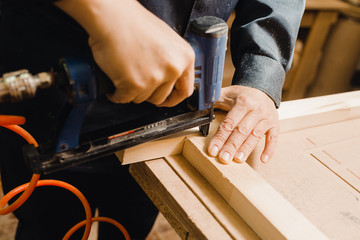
point(251, 115)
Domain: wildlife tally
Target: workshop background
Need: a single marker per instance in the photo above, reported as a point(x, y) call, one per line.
point(326, 61)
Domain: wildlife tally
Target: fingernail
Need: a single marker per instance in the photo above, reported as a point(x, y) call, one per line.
point(214, 150)
point(240, 157)
point(225, 157)
point(265, 159)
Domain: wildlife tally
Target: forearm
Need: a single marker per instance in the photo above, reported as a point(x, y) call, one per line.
point(263, 37)
point(97, 16)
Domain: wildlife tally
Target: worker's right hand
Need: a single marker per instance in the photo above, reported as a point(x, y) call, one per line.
point(141, 54)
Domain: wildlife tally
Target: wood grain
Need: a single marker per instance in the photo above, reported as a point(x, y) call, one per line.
point(217, 206)
point(261, 206)
point(187, 215)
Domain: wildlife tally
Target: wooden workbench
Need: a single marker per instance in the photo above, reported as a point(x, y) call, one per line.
point(315, 171)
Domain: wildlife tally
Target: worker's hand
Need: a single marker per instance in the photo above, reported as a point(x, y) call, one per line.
point(251, 115)
point(141, 54)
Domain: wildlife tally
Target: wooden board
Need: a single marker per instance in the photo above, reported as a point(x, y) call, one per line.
point(187, 215)
point(311, 112)
point(319, 194)
point(263, 208)
point(337, 5)
point(217, 206)
point(167, 146)
point(303, 172)
point(311, 56)
point(316, 165)
point(339, 60)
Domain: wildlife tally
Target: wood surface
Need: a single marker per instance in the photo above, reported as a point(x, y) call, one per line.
point(340, 59)
point(303, 170)
point(314, 132)
point(216, 205)
point(263, 208)
point(304, 177)
point(295, 114)
point(311, 56)
point(331, 5)
point(327, 60)
point(167, 146)
point(316, 164)
point(187, 215)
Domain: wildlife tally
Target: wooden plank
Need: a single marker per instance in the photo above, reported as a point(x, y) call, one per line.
point(325, 5)
point(170, 145)
point(308, 19)
point(340, 59)
point(261, 206)
point(315, 105)
point(319, 119)
point(220, 209)
point(187, 215)
point(310, 112)
point(299, 46)
point(345, 167)
point(337, 147)
point(301, 172)
point(334, 5)
point(320, 195)
point(311, 55)
point(295, 114)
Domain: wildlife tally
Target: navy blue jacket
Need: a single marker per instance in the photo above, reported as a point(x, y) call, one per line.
point(35, 34)
point(262, 36)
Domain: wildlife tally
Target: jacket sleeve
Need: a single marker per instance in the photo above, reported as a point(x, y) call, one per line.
point(263, 36)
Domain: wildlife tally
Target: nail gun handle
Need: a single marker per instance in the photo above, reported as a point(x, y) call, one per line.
point(208, 37)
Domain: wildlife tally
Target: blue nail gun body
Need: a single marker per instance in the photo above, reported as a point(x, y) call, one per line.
point(95, 127)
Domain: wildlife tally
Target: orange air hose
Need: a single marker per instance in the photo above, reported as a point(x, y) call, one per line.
point(57, 183)
point(98, 219)
point(11, 122)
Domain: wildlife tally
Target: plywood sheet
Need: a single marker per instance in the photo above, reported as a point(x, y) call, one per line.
point(316, 169)
point(263, 208)
point(316, 166)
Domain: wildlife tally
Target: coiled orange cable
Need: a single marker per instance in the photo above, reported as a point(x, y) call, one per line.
point(11, 122)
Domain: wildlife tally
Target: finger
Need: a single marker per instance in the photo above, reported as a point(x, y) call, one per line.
point(120, 97)
point(253, 139)
point(161, 93)
point(226, 127)
point(225, 105)
point(270, 144)
point(144, 95)
point(238, 136)
point(224, 102)
point(183, 88)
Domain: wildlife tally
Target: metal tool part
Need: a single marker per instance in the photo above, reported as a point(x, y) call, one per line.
point(19, 85)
